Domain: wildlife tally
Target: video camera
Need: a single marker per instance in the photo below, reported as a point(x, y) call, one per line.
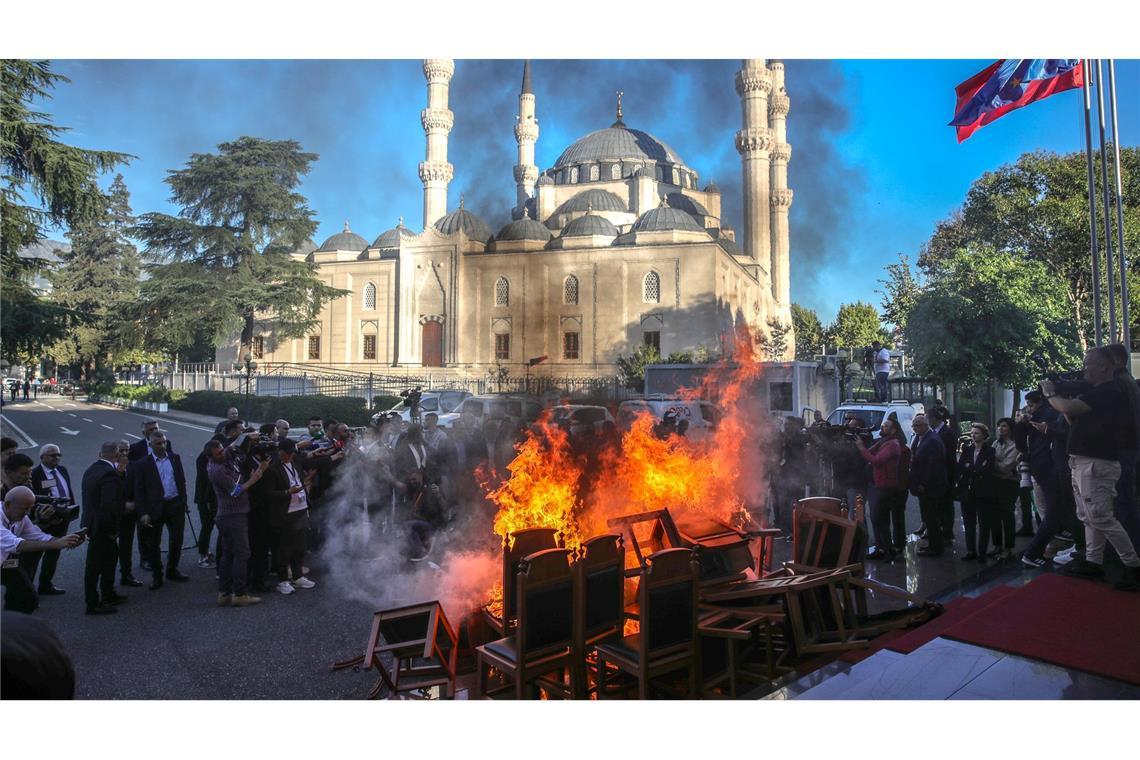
point(258, 446)
point(54, 510)
point(1065, 382)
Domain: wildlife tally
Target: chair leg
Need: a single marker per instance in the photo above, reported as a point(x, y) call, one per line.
point(481, 684)
point(601, 679)
point(520, 684)
point(643, 683)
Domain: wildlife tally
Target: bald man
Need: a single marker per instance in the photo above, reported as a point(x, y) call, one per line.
point(18, 535)
point(103, 504)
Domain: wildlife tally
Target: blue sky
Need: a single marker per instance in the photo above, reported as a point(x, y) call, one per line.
point(874, 165)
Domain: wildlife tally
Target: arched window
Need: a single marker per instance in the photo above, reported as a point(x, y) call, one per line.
point(595, 173)
point(615, 171)
point(574, 175)
point(369, 297)
point(570, 289)
point(659, 173)
point(676, 176)
point(502, 292)
point(651, 288)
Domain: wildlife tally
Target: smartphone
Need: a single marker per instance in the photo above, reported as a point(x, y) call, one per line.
point(82, 532)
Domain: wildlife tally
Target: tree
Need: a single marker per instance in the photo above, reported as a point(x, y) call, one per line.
point(856, 325)
point(774, 344)
point(809, 332)
point(985, 314)
point(1037, 210)
point(227, 254)
point(631, 369)
point(900, 292)
point(62, 179)
point(99, 277)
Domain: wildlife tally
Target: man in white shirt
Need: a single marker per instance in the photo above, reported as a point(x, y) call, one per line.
point(19, 535)
point(50, 478)
point(882, 371)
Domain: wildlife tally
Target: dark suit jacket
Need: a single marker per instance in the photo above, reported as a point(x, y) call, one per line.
point(271, 493)
point(140, 449)
point(949, 440)
point(145, 486)
point(927, 466)
point(103, 498)
point(39, 475)
point(976, 479)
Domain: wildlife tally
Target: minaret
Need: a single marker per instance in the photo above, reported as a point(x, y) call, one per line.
point(753, 142)
point(526, 134)
point(778, 106)
point(435, 171)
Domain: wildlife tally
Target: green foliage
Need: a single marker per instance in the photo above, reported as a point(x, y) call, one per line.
point(153, 393)
point(296, 409)
point(901, 290)
point(809, 332)
point(855, 326)
point(1037, 211)
point(774, 344)
point(60, 179)
point(631, 369)
point(225, 259)
point(679, 357)
point(984, 314)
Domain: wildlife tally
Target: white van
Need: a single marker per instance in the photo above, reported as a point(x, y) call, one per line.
point(871, 415)
point(702, 416)
point(444, 403)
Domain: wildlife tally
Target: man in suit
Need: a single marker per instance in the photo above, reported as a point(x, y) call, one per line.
point(928, 482)
point(232, 415)
point(50, 478)
point(141, 447)
point(158, 489)
point(939, 421)
point(103, 505)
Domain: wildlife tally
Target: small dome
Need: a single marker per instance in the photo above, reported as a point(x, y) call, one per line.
point(471, 225)
point(545, 180)
point(344, 241)
point(590, 224)
point(687, 204)
point(712, 187)
point(728, 244)
point(391, 238)
point(524, 229)
point(665, 218)
point(597, 199)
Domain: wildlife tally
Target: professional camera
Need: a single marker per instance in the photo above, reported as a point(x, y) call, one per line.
point(868, 361)
point(1067, 383)
point(51, 510)
point(258, 446)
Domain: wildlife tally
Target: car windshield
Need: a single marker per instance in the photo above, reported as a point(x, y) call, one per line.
point(868, 418)
point(506, 409)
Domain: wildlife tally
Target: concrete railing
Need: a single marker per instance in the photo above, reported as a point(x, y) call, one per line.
point(150, 406)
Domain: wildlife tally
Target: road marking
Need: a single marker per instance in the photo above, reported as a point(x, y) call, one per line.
point(69, 414)
point(136, 437)
point(16, 429)
point(87, 419)
point(106, 426)
point(163, 421)
point(67, 431)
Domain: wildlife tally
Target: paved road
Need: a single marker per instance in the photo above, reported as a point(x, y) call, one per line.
point(175, 643)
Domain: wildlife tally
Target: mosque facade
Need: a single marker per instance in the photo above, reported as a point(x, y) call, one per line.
point(614, 246)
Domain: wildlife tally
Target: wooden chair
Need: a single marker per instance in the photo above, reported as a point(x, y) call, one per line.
point(543, 637)
point(521, 544)
point(599, 601)
point(667, 641)
point(821, 540)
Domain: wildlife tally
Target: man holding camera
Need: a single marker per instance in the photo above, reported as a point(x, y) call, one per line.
point(232, 522)
point(18, 535)
point(157, 485)
point(1097, 435)
point(881, 359)
point(50, 480)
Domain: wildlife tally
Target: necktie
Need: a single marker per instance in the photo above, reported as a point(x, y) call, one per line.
point(60, 486)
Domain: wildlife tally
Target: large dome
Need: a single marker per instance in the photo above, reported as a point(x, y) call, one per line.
point(617, 143)
point(344, 241)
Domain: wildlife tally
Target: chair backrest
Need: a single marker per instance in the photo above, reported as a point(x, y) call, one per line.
point(823, 540)
point(599, 588)
point(668, 601)
point(545, 588)
point(522, 543)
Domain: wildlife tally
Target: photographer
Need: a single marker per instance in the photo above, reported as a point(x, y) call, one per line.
point(232, 494)
point(18, 536)
point(881, 361)
point(1127, 508)
point(17, 472)
point(263, 528)
point(884, 456)
point(51, 483)
point(1097, 435)
point(412, 401)
point(848, 468)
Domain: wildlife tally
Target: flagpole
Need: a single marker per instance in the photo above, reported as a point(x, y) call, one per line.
point(1125, 326)
point(1110, 333)
point(1092, 204)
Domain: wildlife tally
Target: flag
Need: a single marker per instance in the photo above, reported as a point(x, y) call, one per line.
point(1009, 84)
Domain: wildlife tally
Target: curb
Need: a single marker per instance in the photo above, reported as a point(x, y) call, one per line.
point(191, 417)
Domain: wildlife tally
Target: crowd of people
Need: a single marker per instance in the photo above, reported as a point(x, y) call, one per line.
point(1067, 462)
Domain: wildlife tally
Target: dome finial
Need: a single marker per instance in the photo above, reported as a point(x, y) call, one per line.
point(346, 229)
point(664, 201)
point(526, 213)
point(461, 200)
point(400, 222)
point(619, 122)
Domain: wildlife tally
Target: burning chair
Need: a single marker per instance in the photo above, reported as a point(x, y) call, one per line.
point(521, 544)
point(599, 601)
point(667, 641)
point(543, 634)
point(823, 538)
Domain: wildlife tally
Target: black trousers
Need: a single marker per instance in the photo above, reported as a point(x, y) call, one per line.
point(50, 559)
point(262, 540)
point(127, 525)
point(1003, 527)
point(20, 595)
point(292, 541)
point(1025, 499)
point(99, 573)
point(173, 518)
point(897, 506)
point(207, 512)
point(946, 518)
point(931, 507)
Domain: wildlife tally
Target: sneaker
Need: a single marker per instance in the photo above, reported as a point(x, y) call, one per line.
point(225, 600)
point(1037, 562)
point(207, 562)
point(244, 600)
point(285, 587)
point(1065, 557)
point(1130, 581)
point(1065, 536)
point(304, 582)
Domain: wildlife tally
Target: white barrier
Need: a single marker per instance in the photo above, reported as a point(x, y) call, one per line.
point(150, 406)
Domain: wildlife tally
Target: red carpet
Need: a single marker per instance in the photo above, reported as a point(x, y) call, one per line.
point(1068, 622)
point(956, 610)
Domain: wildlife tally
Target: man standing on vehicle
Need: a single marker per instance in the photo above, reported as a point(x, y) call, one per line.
point(882, 371)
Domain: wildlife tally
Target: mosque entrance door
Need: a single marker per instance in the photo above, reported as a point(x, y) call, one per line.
point(432, 348)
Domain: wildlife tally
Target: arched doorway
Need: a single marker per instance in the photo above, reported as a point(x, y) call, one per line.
point(432, 345)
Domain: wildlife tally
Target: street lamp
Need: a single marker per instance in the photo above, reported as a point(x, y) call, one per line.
point(250, 367)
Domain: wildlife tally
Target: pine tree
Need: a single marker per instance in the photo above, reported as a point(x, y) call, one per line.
point(224, 260)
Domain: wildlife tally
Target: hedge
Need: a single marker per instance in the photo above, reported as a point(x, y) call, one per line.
point(296, 409)
point(154, 393)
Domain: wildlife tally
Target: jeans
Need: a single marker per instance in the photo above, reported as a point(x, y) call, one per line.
point(233, 553)
point(99, 571)
point(1094, 488)
point(882, 386)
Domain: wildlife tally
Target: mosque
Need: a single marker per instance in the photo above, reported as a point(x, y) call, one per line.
point(614, 246)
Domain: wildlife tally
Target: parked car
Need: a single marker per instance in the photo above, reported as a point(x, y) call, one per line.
point(496, 406)
point(702, 416)
point(444, 403)
point(582, 419)
point(871, 414)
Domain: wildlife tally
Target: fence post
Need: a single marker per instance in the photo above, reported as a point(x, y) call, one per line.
point(369, 401)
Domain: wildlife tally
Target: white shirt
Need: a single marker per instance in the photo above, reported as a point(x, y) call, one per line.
point(12, 536)
point(297, 501)
point(883, 360)
point(166, 475)
point(59, 485)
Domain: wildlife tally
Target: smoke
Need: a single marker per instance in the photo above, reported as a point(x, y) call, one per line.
point(691, 106)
